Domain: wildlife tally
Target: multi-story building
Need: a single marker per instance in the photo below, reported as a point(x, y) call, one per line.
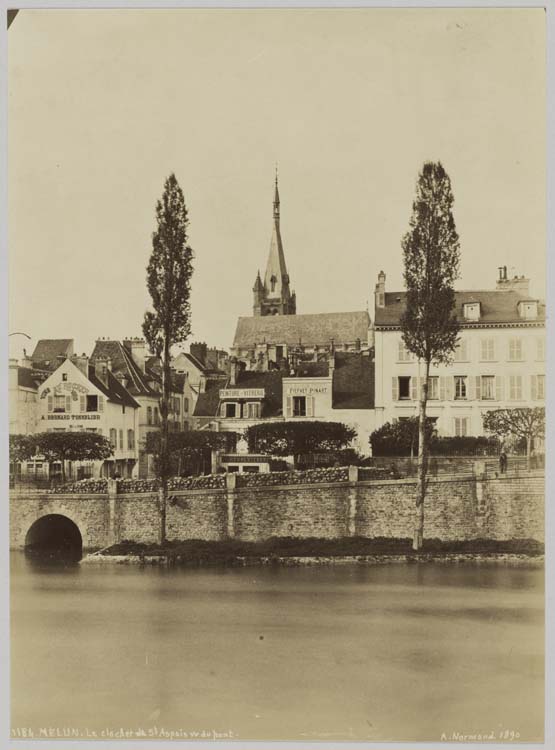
point(200, 367)
point(336, 389)
point(499, 361)
point(78, 396)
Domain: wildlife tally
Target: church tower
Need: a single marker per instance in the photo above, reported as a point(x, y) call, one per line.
point(273, 296)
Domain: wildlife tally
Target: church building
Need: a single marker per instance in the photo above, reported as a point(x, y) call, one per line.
point(275, 337)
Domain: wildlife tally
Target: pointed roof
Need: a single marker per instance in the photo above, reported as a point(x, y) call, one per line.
point(276, 270)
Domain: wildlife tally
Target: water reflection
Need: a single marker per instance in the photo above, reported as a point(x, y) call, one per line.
point(390, 652)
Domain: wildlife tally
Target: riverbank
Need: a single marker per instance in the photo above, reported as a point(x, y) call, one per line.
point(295, 552)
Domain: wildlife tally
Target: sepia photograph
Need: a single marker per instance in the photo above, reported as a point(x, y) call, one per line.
point(276, 375)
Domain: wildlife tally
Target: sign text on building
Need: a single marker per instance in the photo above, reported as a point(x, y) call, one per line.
point(241, 393)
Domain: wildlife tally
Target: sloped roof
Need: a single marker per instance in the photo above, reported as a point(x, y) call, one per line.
point(47, 350)
point(495, 307)
point(27, 378)
point(311, 330)
point(353, 381)
point(112, 389)
point(311, 370)
point(122, 362)
point(208, 401)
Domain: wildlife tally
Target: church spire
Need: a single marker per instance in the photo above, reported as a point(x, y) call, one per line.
point(273, 295)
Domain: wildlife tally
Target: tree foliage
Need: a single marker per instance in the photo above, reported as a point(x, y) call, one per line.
point(22, 448)
point(298, 438)
point(72, 446)
point(525, 424)
point(399, 438)
point(431, 254)
point(429, 325)
point(169, 283)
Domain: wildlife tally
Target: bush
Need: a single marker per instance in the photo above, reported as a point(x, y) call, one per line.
point(465, 446)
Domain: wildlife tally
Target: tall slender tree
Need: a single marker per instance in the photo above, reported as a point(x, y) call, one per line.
point(169, 284)
point(429, 325)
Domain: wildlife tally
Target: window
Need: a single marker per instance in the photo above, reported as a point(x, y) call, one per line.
point(62, 403)
point(299, 406)
point(273, 283)
point(253, 410)
point(185, 405)
point(113, 438)
point(149, 414)
point(433, 387)
point(404, 387)
point(251, 469)
point(177, 405)
point(121, 440)
point(540, 393)
point(403, 354)
point(92, 403)
point(471, 310)
point(488, 387)
point(460, 387)
point(540, 349)
point(461, 426)
point(487, 350)
point(231, 410)
point(461, 352)
point(130, 440)
point(64, 377)
point(515, 350)
point(515, 387)
point(156, 415)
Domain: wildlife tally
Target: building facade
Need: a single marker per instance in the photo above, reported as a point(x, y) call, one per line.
point(499, 361)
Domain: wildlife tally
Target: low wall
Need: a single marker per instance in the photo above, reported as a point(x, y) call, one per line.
point(456, 508)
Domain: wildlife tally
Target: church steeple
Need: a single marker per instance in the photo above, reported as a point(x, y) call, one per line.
point(273, 297)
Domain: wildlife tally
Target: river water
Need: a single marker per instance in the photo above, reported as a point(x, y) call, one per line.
point(392, 652)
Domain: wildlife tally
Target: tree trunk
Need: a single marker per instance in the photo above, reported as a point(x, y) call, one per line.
point(422, 464)
point(63, 462)
point(528, 452)
point(164, 452)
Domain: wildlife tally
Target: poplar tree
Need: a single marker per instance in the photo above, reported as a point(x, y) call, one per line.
point(429, 325)
point(169, 284)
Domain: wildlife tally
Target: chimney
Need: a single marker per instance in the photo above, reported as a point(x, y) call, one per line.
point(519, 284)
point(379, 294)
point(137, 348)
point(82, 363)
point(331, 363)
point(101, 367)
point(233, 371)
point(26, 360)
point(123, 379)
point(199, 351)
point(60, 359)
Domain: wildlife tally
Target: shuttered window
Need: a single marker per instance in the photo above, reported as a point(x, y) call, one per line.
point(82, 403)
point(461, 352)
point(433, 388)
point(461, 426)
point(289, 406)
point(460, 388)
point(540, 349)
point(499, 388)
point(515, 387)
point(101, 403)
point(50, 403)
point(403, 354)
point(487, 350)
point(487, 387)
point(113, 438)
point(515, 349)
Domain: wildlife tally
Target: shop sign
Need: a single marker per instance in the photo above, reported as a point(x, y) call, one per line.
point(227, 393)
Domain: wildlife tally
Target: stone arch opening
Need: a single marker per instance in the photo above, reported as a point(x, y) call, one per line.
point(54, 535)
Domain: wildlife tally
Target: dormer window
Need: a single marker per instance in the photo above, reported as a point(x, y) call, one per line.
point(273, 283)
point(528, 309)
point(471, 310)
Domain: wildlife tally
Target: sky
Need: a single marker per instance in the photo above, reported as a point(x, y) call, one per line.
point(104, 104)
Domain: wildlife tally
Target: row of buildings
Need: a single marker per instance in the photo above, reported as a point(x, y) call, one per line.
point(343, 366)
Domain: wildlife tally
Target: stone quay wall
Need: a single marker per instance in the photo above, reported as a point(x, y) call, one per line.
point(457, 508)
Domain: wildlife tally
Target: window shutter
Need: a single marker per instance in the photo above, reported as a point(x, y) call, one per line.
point(101, 403)
point(442, 389)
point(68, 404)
point(289, 406)
point(413, 388)
point(395, 389)
point(82, 403)
point(499, 395)
point(310, 406)
point(533, 387)
point(450, 388)
point(470, 389)
point(464, 349)
point(50, 403)
point(478, 389)
point(222, 410)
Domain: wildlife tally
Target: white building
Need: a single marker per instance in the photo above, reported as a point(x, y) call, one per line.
point(77, 396)
point(499, 362)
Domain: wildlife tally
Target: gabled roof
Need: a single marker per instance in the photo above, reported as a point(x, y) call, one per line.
point(495, 307)
point(122, 362)
point(47, 350)
point(113, 389)
point(208, 402)
point(353, 381)
point(310, 330)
